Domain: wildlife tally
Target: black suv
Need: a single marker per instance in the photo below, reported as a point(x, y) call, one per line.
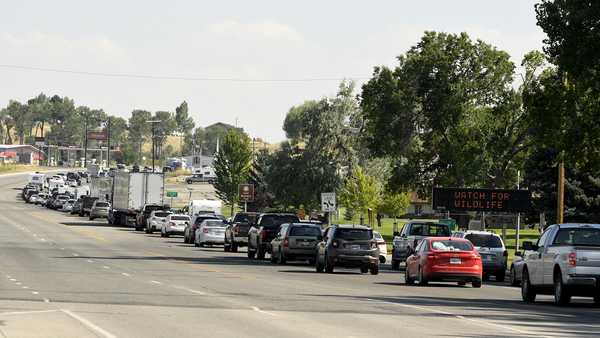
point(266, 228)
point(350, 246)
point(236, 233)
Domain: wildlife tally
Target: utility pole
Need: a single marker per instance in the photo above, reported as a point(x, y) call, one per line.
point(560, 210)
point(108, 142)
point(518, 214)
point(154, 122)
point(85, 142)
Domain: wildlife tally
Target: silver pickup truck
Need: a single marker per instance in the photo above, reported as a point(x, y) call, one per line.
point(564, 262)
point(412, 233)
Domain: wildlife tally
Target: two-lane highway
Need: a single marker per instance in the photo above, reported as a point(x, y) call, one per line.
point(63, 276)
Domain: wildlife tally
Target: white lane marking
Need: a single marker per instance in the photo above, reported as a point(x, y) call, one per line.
point(105, 267)
point(34, 235)
point(475, 321)
point(74, 254)
point(90, 261)
point(263, 312)
point(25, 312)
point(42, 239)
point(62, 248)
point(25, 287)
point(35, 292)
point(155, 282)
point(46, 300)
point(97, 329)
point(18, 283)
point(13, 280)
point(125, 274)
point(190, 290)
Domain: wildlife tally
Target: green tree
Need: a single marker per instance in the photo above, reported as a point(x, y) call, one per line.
point(139, 131)
point(448, 99)
point(394, 204)
point(360, 192)
point(162, 130)
point(184, 123)
point(232, 164)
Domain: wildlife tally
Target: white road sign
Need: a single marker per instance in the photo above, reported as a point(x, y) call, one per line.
point(328, 202)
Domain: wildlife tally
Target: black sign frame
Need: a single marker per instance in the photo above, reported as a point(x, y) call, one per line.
point(488, 200)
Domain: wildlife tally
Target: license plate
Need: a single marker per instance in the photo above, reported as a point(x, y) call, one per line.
point(355, 247)
point(305, 243)
point(455, 261)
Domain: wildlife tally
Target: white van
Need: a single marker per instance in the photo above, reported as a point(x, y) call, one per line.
point(196, 207)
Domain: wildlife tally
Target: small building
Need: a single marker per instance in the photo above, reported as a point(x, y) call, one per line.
point(418, 206)
point(21, 153)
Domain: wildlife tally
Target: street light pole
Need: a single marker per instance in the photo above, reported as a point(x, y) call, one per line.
point(108, 142)
point(85, 142)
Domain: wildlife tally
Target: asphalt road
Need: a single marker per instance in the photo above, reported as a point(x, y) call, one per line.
point(63, 276)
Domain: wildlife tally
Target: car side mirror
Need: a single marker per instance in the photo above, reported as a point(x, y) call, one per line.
point(529, 246)
point(396, 233)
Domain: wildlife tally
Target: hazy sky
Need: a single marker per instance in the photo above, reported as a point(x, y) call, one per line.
point(246, 40)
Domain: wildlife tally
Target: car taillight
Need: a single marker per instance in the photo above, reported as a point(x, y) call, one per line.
point(171, 224)
point(286, 242)
point(335, 244)
point(263, 235)
point(432, 255)
point(573, 259)
point(205, 230)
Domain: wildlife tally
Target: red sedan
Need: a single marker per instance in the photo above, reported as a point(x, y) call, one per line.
point(444, 259)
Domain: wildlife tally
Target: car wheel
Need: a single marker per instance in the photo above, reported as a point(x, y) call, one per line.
point(328, 265)
point(318, 266)
point(421, 278)
point(597, 300)
point(273, 259)
point(91, 218)
point(281, 259)
point(162, 234)
point(527, 290)
point(167, 234)
point(512, 276)
point(226, 247)
point(395, 264)
point(374, 269)
point(382, 259)
point(234, 247)
point(501, 275)
point(462, 283)
point(196, 244)
point(476, 283)
point(364, 269)
point(147, 230)
point(561, 293)
point(407, 279)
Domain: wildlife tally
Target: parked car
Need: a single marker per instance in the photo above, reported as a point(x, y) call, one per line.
point(86, 205)
point(189, 233)
point(197, 178)
point(33, 198)
point(41, 199)
point(156, 220)
point(236, 233)
point(494, 255)
point(77, 206)
point(261, 234)
point(174, 224)
point(564, 262)
point(444, 259)
point(59, 201)
point(68, 205)
point(99, 210)
point(141, 218)
point(295, 241)
point(381, 245)
point(350, 246)
point(408, 239)
point(210, 232)
point(516, 269)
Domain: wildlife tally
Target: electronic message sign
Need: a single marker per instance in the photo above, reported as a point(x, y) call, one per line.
point(491, 200)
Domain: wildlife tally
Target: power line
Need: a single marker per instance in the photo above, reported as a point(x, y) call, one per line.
point(181, 78)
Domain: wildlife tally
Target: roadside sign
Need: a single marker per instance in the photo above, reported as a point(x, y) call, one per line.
point(246, 192)
point(328, 203)
point(172, 194)
point(498, 200)
point(98, 135)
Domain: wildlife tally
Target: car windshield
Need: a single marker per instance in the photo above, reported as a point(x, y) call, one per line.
point(101, 204)
point(273, 221)
point(578, 236)
point(305, 231)
point(149, 209)
point(430, 229)
point(162, 214)
point(202, 218)
point(484, 240)
point(245, 218)
point(180, 218)
point(63, 197)
point(353, 234)
point(215, 223)
point(451, 245)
